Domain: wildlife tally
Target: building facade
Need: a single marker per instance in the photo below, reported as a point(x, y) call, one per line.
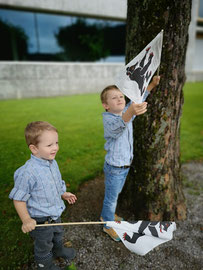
point(19, 79)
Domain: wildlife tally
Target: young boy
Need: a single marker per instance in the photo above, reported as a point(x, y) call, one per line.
point(38, 193)
point(118, 133)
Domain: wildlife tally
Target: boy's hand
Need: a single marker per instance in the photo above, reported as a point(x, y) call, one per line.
point(134, 109)
point(28, 225)
point(69, 197)
point(154, 83)
point(138, 109)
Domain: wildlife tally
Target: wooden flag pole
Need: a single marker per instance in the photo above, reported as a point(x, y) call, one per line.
point(71, 223)
point(160, 60)
point(158, 70)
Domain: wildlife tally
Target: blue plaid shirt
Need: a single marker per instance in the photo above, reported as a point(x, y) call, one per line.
point(119, 138)
point(38, 183)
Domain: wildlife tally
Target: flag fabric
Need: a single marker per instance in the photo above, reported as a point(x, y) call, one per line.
point(141, 237)
point(134, 78)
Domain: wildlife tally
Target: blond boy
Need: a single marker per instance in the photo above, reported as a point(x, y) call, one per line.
point(38, 193)
point(118, 133)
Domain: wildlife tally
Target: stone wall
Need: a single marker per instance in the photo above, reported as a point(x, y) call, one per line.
point(31, 79)
point(111, 9)
point(44, 79)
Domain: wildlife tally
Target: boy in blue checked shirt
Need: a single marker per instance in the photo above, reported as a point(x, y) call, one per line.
point(118, 133)
point(38, 194)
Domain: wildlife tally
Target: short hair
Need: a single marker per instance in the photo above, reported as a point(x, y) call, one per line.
point(104, 93)
point(35, 129)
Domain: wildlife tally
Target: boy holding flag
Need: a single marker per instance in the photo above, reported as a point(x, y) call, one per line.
point(118, 133)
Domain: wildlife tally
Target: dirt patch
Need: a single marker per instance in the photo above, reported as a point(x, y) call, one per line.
point(95, 250)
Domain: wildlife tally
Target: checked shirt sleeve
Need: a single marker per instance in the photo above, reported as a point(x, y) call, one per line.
point(23, 183)
point(113, 125)
point(146, 93)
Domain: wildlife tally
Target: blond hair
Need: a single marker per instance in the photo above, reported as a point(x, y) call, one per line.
point(35, 129)
point(104, 93)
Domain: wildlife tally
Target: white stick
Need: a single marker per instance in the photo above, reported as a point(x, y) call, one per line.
point(71, 223)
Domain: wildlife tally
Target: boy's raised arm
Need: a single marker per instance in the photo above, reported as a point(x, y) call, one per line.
point(154, 83)
point(137, 109)
point(134, 109)
point(28, 223)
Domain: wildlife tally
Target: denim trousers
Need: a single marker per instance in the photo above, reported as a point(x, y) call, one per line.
point(45, 238)
point(114, 181)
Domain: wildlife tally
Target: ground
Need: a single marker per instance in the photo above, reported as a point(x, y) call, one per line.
point(96, 250)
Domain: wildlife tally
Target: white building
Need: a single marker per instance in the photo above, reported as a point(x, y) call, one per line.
point(30, 79)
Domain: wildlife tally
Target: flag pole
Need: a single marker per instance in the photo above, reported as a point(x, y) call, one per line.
point(158, 70)
point(160, 63)
point(72, 223)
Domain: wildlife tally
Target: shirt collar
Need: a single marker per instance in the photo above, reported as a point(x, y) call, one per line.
point(42, 162)
point(109, 113)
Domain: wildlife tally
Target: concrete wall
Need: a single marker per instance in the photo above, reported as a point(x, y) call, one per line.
point(30, 79)
point(194, 56)
point(111, 9)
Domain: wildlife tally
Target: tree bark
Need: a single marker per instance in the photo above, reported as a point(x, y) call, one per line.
point(153, 189)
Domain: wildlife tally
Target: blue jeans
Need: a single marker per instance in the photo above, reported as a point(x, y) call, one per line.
point(114, 182)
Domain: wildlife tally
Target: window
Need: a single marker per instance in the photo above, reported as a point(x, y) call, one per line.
point(198, 57)
point(31, 36)
point(200, 14)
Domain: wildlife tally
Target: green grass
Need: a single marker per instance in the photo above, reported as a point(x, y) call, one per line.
point(191, 138)
point(79, 122)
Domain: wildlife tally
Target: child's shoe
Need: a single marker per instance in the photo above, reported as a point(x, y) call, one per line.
point(64, 252)
point(112, 234)
point(47, 265)
point(116, 218)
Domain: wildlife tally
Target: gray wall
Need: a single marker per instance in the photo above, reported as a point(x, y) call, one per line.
point(109, 9)
point(194, 56)
point(19, 80)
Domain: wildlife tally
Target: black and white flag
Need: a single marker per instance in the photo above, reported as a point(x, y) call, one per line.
point(134, 78)
point(142, 236)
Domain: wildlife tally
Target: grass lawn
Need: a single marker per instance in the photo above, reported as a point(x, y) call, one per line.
point(191, 139)
point(79, 122)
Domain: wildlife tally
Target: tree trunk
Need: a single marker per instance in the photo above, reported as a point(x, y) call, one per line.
point(153, 189)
